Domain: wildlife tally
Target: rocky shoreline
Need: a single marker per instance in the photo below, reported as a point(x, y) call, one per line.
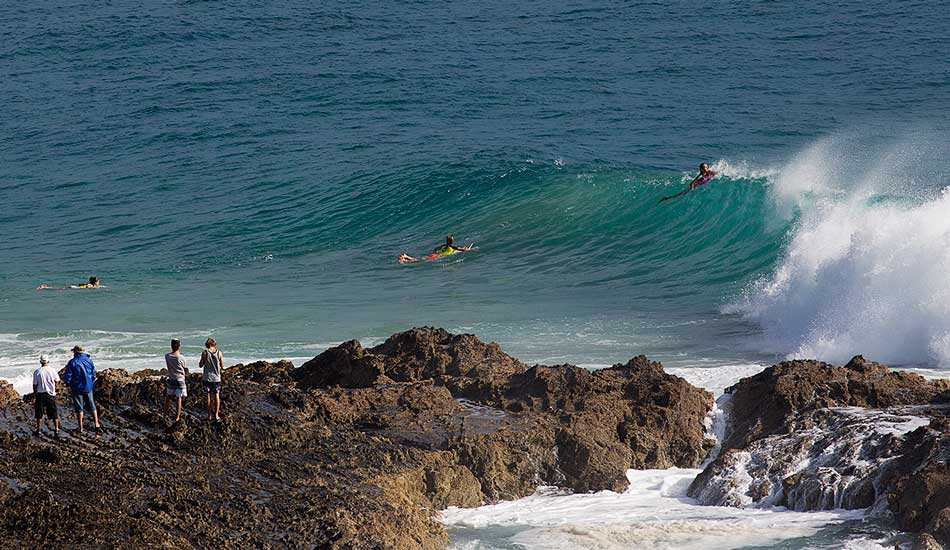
point(360, 448)
point(807, 436)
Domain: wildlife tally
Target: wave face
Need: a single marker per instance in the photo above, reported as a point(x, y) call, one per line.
point(842, 250)
point(577, 263)
point(865, 267)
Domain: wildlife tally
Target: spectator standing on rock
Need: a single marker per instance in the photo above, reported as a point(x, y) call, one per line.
point(44, 395)
point(175, 386)
point(80, 376)
point(211, 363)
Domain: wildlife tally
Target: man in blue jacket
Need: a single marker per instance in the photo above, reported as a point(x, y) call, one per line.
point(80, 376)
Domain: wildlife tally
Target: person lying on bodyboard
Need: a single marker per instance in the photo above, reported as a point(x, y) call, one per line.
point(705, 174)
point(446, 249)
point(93, 283)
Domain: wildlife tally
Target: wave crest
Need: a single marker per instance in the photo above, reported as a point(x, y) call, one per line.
point(865, 268)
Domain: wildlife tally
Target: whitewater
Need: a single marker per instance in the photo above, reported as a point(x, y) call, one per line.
point(655, 511)
point(865, 267)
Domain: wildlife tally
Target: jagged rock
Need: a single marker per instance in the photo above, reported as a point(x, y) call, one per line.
point(9, 398)
point(591, 426)
point(920, 498)
point(926, 542)
point(457, 361)
point(592, 464)
point(423, 353)
point(448, 484)
point(810, 436)
point(117, 387)
point(347, 365)
point(359, 448)
point(657, 416)
point(830, 458)
point(263, 371)
point(13, 413)
point(510, 463)
point(762, 404)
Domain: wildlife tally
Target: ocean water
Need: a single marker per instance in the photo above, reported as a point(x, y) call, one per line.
point(251, 172)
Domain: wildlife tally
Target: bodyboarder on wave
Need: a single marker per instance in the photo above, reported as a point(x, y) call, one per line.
point(442, 250)
point(705, 174)
point(93, 283)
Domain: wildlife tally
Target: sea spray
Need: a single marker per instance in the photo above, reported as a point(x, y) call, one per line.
point(860, 277)
point(829, 459)
point(867, 250)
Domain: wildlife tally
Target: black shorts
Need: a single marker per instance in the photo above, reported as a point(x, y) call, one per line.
point(45, 403)
point(211, 387)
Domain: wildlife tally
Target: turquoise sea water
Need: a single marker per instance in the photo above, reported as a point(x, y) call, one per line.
point(252, 171)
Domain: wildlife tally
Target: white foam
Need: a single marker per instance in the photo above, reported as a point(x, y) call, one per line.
point(717, 379)
point(883, 424)
point(741, 170)
point(132, 351)
point(837, 454)
point(653, 513)
point(865, 270)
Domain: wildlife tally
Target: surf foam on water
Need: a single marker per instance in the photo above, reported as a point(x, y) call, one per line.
point(865, 268)
point(829, 459)
point(653, 513)
point(131, 351)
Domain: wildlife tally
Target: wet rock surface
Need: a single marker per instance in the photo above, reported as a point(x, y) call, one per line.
point(811, 436)
point(762, 404)
point(357, 448)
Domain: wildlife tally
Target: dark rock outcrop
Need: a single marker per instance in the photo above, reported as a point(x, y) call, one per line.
point(10, 400)
point(587, 427)
point(763, 403)
point(358, 448)
point(467, 366)
point(811, 436)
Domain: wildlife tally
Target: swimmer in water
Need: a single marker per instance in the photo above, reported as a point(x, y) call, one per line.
point(93, 283)
point(442, 250)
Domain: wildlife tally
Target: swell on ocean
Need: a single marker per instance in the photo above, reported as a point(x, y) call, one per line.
point(840, 250)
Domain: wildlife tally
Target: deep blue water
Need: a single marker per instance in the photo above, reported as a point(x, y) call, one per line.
point(252, 171)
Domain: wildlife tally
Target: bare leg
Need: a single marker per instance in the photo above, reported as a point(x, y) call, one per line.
point(80, 421)
point(178, 412)
point(217, 405)
point(56, 423)
point(39, 422)
point(406, 259)
point(209, 404)
point(95, 416)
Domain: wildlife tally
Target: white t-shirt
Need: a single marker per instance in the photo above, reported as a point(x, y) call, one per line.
point(45, 379)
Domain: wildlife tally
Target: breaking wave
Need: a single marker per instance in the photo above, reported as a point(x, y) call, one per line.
point(865, 267)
